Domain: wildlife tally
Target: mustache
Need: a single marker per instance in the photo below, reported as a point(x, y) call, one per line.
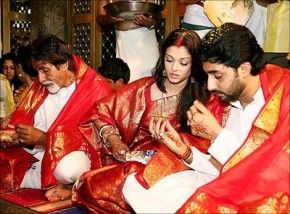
point(47, 82)
point(217, 92)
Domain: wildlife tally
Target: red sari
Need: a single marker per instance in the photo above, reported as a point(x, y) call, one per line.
point(101, 189)
point(62, 137)
point(256, 178)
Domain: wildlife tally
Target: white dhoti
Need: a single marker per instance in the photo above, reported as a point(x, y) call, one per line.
point(167, 195)
point(68, 170)
point(139, 49)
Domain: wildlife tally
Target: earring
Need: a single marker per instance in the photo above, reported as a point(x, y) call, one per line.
point(192, 80)
point(164, 73)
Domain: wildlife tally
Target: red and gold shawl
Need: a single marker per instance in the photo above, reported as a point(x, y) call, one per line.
point(256, 177)
point(64, 135)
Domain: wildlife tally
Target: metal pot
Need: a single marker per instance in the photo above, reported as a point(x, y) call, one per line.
point(128, 9)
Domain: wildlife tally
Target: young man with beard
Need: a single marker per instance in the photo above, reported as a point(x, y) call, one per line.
point(52, 149)
point(246, 169)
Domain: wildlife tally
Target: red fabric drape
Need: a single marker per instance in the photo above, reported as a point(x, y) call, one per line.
point(256, 178)
point(64, 135)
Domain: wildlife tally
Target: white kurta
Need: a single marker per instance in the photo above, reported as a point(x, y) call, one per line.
point(43, 119)
point(257, 23)
point(139, 49)
point(171, 192)
point(194, 15)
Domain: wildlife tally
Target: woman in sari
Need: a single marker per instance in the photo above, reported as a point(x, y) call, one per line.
point(123, 119)
point(8, 64)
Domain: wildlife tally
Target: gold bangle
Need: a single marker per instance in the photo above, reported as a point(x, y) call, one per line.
point(186, 154)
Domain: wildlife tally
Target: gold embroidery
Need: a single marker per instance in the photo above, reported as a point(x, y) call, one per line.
point(194, 207)
point(264, 125)
point(226, 210)
point(269, 116)
point(165, 106)
point(59, 140)
point(161, 165)
point(254, 142)
point(286, 148)
point(30, 100)
point(82, 70)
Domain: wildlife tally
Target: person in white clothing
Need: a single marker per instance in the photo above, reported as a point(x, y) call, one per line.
point(46, 122)
point(136, 41)
point(202, 15)
point(236, 68)
point(194, 17)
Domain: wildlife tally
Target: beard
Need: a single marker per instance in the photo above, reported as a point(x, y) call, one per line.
point(233, 93)
point(51, 86)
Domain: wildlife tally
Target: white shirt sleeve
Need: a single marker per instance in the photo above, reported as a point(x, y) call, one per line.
point(200, 162)
point(39, 119)
point(224, 146)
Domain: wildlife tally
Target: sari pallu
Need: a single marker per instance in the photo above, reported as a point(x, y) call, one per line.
point(64, 135)
point(256, 177)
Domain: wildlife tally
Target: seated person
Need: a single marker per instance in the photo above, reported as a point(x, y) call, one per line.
point(8, 64)
point(44, 128)
point(24, 71)
point(123, 120)
point(117, 72)
point(247, 165)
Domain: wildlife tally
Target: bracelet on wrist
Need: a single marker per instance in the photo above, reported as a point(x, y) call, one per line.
point(107, 131)
point(185, 155)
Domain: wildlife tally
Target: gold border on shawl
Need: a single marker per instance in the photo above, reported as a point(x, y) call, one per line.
point(30, 101)
point(154, 172)
point(82, 70)
point(264, 126)
point(286, 148)
point(197, 206)
point(59, 140)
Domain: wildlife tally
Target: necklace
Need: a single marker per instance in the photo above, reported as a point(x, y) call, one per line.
point(167, 105)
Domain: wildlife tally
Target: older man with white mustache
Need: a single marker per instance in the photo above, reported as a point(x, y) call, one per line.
point(46, 123)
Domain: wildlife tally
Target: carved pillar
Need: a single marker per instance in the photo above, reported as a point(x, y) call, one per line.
point(49, 17)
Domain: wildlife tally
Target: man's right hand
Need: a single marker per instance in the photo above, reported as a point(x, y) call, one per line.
point(30, 135)
point(202, 122)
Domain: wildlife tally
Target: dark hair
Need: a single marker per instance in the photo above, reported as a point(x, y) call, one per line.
point(16, 82)
point(115, 69)
point(24, 58)
point(53, 50)
point(232, 45)
point(196, 84)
